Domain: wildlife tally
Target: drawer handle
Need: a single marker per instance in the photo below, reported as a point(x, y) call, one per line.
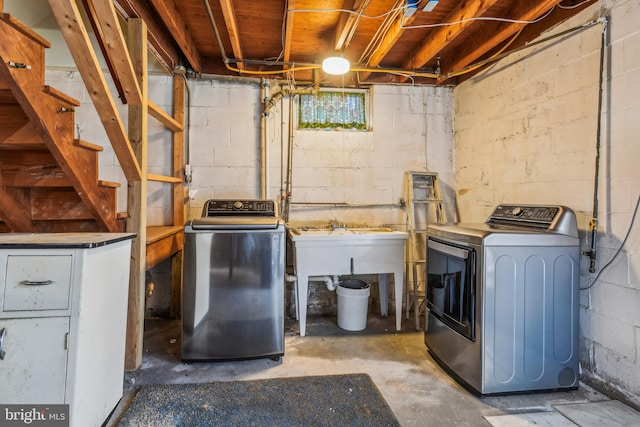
point(37, 282)
point(3, 332)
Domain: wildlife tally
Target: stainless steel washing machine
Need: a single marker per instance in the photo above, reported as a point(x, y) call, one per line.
point(502, 300)
point(233, 290)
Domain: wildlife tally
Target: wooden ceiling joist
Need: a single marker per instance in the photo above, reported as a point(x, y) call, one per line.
point(232, 28)
point(172, 19)
point(346, 23)
point(500, 31)
point(184, 29)
point(288, 30)
point(160, 41)
point(441, 36)
point(388, 41)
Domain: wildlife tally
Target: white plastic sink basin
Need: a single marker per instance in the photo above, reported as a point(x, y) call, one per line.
point(342, 234)
point(348, 251)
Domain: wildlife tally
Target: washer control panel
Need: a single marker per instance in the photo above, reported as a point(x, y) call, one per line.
point(216, 207)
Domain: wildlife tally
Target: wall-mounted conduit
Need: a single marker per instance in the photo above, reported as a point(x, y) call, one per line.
point(593, 224)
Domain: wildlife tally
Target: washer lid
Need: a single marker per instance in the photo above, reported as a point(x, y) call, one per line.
point(234, 223)
point(499, 235)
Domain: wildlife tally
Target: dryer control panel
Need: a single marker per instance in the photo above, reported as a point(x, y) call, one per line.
point(554, 219)
point(523, 213)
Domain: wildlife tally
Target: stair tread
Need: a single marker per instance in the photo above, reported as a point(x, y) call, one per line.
point(110, 184)
point(61, 95)
point(89, 145)
point(18, 25)
point(6, 97)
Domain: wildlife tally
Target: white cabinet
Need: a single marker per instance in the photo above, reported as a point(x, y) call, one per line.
point(35, 362)
point(63, 309)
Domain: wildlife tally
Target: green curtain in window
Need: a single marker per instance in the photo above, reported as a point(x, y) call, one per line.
point(332, 110)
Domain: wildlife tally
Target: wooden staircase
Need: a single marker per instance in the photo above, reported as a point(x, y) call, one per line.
point(48, 178)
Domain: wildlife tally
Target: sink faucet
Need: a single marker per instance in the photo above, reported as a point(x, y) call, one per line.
point(335, 225)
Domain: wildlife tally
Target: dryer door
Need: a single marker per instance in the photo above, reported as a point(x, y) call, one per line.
point(451, 275)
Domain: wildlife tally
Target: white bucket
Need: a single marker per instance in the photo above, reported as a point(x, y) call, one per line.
point(353, 302)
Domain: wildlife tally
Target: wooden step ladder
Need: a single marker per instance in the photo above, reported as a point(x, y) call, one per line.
point(423, 207)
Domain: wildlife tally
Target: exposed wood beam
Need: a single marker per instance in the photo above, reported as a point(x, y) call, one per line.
point(72, 27)
point(159, 40)
point(137, 197)
point(171, 124)
point(442, 36)
point(288, 30)
point(388, 41)
point(179, 194)
point(232, 28)
point(179, 99)
point(346, 24)
point(499, 32)
point(116, 49)
point(97, 30)
point(163, 178)
point(172, 19)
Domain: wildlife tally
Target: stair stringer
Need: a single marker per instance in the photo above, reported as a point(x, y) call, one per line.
point(52, 115)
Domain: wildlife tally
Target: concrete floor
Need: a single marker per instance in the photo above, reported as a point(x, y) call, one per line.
point(418, 391)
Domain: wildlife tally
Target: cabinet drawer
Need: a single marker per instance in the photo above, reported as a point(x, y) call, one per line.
point(37, 282)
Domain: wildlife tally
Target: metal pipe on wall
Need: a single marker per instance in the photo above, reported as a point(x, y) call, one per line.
point(593, 224)
point(289, 160)
point(263, 138)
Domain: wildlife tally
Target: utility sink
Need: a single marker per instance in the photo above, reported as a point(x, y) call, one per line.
point(348, 250)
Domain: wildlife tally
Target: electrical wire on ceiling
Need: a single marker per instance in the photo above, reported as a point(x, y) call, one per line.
point(292, 67)
point(573, 6)
point(352, 30)
point(499, 56)
point(352, 12)
point(492, 57)
point(480, 18)
point(378, 37)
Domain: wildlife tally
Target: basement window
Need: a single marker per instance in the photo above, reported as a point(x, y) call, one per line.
point(335, 109)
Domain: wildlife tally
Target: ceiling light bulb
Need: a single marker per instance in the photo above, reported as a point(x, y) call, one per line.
point(335, 65)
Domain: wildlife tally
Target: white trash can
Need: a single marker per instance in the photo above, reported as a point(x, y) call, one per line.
point(353, 302)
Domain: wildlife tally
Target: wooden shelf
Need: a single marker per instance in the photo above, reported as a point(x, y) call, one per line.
point(164, 178)
point(163, 242)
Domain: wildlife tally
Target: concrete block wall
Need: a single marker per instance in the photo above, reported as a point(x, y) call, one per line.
point(526, 132)
point(411, 128)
